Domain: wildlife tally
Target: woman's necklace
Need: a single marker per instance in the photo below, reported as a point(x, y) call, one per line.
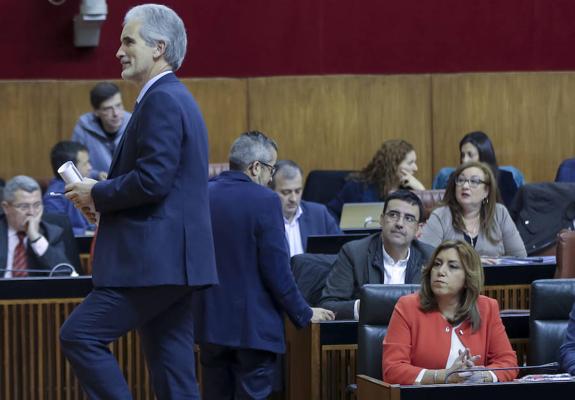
point(472, 226)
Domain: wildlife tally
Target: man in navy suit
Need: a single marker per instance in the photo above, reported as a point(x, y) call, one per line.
point(239, 323)
point(154, 243)
point(301, 218)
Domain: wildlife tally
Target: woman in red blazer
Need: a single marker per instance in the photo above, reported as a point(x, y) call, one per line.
point(447, 326)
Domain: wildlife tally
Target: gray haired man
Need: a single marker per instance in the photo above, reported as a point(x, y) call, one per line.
point(27, 242)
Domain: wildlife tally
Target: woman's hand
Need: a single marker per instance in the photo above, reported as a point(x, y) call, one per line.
point(409, 181)
point(464, 361)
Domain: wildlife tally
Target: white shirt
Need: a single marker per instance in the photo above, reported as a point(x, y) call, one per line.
point(393, 272)
point(150, 83)
point(293, 234)
point(39, 248)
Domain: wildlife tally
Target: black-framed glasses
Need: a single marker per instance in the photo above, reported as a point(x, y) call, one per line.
point(395, 216)
point(25, 207)
point(271, 167)
point(473, 181)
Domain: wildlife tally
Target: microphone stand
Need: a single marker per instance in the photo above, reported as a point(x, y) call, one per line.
point(553, 365)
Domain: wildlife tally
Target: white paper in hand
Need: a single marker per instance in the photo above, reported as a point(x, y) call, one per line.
point(70, 174)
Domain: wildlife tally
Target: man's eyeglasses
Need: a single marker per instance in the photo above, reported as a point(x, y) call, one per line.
point(473, 181)
point(395, 216)
point(25, 207)
point(271, 167)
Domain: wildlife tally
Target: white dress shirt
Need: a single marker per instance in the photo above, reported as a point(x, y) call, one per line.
point(394, 271)
point(393, 274)
point(293, 234)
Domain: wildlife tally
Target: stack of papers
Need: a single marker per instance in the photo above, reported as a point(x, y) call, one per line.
point(547, 377)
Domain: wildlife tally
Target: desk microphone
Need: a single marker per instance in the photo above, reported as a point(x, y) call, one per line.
point(49, 272)
point(553, 365)
point(57, 267)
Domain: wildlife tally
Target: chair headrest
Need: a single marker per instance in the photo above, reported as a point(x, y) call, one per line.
point(378, 301)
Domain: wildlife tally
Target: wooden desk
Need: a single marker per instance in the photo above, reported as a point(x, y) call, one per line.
point(321, 359)
point(32, 365)
point(373, 389)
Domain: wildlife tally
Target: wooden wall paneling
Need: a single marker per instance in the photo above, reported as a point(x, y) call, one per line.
point(224, 106)
point(528, 116)
point(338, 122)
point(30, 119)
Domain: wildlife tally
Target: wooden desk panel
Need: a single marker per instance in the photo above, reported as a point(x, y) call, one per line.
point(33, 366)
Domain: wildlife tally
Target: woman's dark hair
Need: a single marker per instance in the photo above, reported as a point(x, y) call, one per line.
point(471, 264)
point(484, 148)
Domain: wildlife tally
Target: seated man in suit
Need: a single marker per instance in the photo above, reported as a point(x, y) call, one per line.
point(301, 218)
point(54, 199)
point(27, 242)
point(393, 256)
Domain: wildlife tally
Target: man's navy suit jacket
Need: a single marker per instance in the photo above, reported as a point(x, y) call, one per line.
point(315, 220)
point(155, 226)
point(256, 283)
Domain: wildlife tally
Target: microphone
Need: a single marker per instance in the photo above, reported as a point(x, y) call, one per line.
point(50, 272)
point(55, 268)
point(552, 365)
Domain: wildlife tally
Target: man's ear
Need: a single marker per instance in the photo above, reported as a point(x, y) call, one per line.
point(251, 170)
point(160, 49)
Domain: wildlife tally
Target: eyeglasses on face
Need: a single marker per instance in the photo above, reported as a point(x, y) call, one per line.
point(473, 181)
point(395, 216)
point(271, 167)
point(25, 207)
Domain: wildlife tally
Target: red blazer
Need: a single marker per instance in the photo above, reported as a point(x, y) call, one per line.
point(417, 340)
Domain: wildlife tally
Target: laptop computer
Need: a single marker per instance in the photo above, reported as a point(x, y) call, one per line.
point(360, 215)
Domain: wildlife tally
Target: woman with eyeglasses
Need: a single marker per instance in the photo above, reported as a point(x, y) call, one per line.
point(471, 213)
point(441, 333)
point(392, 167)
